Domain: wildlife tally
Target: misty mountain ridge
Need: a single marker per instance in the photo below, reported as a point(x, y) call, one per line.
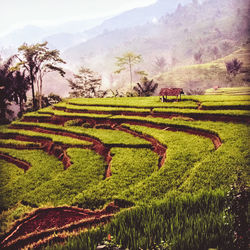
point(176, 37)
point(70, 33)
point(137, 16)
point(160, 32)
point(59, 36)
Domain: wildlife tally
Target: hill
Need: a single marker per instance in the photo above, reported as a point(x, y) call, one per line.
point(176, 37)
point(210, 74)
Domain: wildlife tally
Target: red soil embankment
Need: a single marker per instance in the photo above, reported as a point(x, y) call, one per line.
point(112, 122)
point(157, 146)
point(45, 222)
point(21, 164)
point(200, 116)
point(213, 137)
point(46, 145)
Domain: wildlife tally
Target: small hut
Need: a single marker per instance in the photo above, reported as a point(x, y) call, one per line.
point(165, 92)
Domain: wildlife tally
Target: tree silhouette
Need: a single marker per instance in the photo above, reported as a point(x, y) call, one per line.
point(233, 67)
point(38, 60)
point(21, 85)
point(13, 87)
point(146, 87)
point(126, 62)
point(5, 89)
point(86, 83)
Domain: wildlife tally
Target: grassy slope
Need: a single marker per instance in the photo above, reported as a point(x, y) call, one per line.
point(192, 165)
point(207, 74)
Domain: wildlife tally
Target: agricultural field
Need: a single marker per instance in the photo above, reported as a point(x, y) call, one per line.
point(130, 172)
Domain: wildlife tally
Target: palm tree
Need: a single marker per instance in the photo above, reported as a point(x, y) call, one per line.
point(146, 88)
point(13, 87)
point(5, 89)
point(21, 85)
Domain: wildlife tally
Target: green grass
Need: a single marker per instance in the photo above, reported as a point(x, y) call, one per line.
point(215, 169)
point(218, 98)
point(87, 170)
point(183, 153)
point(8, 173)
point(128, 167)
point(146, 102)
point(207, 112)
point(112, 138)
point(179, 222)
point(99, 108)
point(229, 91)
point(227, 104)
point(44, 168)
point(55, 138)
point(182, 221)
point(181, 204)
point(18, 143)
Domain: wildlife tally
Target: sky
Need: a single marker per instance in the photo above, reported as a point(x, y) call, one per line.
point(18, 13)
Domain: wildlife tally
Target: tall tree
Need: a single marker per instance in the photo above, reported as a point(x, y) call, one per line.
point(13, 87)
point(86, 83)
point(146, 87)
point(126, 62)
point(5, 89)
point(21, 84)
point(38, 60)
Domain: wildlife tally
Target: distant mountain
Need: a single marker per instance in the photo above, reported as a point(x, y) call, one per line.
point(137, 16)
point(59, 36)
point(70, 33)
point(62, 41)
point(28, 34)
point(212, 28)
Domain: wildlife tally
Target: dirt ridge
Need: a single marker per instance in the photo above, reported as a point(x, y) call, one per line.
point(19, 163)
point(45, 222)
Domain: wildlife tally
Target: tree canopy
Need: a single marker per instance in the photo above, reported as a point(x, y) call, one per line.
point(146, 87)
point(13, 87)
point(86, 83)
point(38, 60)
point(233, 67)
point(126, 62)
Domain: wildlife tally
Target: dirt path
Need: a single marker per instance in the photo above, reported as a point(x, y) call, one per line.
point(45, 222)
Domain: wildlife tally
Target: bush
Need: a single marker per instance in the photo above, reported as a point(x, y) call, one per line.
point(75, 122)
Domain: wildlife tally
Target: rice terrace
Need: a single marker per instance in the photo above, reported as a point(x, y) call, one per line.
point(124, 125)
point(137, 169)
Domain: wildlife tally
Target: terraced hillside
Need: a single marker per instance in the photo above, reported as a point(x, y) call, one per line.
point(210, 74)
point(155, 171)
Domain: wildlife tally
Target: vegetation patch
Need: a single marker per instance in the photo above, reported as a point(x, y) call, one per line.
point(128, 167)
point(44, 167)
point(86, 171)
point(51, 137)
point(111, 138)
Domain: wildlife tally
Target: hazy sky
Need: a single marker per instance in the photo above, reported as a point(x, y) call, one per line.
point(17, 13)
